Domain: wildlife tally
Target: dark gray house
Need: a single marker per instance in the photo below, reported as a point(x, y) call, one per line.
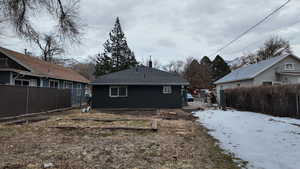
point(139, 87)
point(22, 70)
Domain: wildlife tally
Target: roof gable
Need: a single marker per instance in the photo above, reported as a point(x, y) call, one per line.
point(253, 70)
point(41, 68)
point(140, 75)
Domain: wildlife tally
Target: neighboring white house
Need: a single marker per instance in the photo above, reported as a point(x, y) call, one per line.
point(279, 70)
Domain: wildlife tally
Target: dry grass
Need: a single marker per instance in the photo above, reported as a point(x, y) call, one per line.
point(178, 144)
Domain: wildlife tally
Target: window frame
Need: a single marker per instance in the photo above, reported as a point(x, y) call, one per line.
point(22, 82)
point(118, 91)
point(55, 81)
point(167, 90)
point(33, 83)
point(69, 83)
point(267, 83)
point(287, 69)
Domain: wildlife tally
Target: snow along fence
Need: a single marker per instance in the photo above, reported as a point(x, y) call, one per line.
point(283, 100)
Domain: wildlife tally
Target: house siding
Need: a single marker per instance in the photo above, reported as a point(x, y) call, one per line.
point(270, 74)
point(4, 77)
point(245, 83)
point(138, 97)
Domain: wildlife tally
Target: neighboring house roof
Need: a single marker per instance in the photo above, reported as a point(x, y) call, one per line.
point(140, 75)
point(42, 68)
point(252, 70)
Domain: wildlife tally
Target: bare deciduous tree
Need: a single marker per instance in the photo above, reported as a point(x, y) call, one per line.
point(273, 47)
point(197, 74)
point(85, 69)
point(19, 13)
point(49, 47)
point(68, 29)
point(174, 67)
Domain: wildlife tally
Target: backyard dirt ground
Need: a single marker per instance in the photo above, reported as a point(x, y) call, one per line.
point(111, 139)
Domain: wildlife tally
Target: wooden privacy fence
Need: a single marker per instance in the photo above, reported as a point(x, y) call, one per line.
point(18, 100)
point(281, 101)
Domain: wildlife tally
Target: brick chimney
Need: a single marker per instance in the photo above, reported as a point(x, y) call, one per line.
point(150, 63)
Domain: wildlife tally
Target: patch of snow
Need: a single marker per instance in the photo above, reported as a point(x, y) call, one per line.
point(48, 165)
point(266, 142)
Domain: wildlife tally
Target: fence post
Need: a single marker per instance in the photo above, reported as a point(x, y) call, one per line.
point(222, 99)
point(297, 104)
point(80, 90)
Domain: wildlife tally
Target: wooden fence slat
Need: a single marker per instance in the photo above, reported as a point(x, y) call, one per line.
point(18, 100)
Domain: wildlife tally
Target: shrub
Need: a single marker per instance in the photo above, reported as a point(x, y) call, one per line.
point(274, 100)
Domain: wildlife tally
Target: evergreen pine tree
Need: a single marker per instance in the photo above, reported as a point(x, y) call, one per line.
point(220, 68)
point(104, 65)
point(117, 55)
point(206, 61)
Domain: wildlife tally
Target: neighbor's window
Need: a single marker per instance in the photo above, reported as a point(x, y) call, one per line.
point(33, 82)
point(69, 85)
point(118, 91)
point(167, 89)
point(289, 66)
point(267, 83)
point(53, 84)
point(21, 82)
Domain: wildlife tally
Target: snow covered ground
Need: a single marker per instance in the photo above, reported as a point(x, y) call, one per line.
point(266, 142)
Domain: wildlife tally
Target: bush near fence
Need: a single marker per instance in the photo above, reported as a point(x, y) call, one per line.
point(280, 100)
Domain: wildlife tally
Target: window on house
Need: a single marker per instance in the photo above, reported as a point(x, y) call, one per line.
point(21, 82)
point(53, 84)
point(289, 66)
point(267, 83)
point(33, 82)
point(118, 91)
point(18, 82)
point(69, 85)
point(63, 85)
point(26, 83)
point(167, 89)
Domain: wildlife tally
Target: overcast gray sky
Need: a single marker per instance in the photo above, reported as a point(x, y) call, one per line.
point(176, 29)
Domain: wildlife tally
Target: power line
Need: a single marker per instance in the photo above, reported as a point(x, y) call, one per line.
point(251, 28)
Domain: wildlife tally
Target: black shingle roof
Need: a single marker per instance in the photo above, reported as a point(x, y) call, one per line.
point(140, 75)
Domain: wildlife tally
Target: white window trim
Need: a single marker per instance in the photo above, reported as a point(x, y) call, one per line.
point(33, 83)
point(118, 87)
point(167, 89)
point(285, 68)
point(41, 82)
point(67, 85)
